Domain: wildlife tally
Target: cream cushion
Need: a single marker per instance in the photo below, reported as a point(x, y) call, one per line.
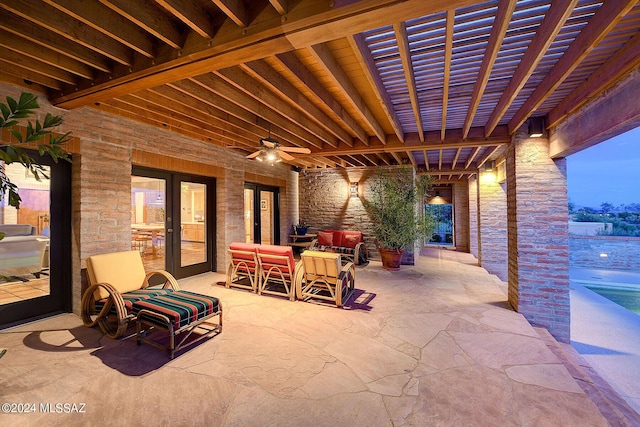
point(323, 264)
point(122, 270)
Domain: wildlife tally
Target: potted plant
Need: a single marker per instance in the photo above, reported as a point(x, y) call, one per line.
point(300, 228)
point(395, 206)
point(39, 133)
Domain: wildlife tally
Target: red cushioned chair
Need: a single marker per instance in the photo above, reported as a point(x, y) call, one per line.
point(348, 243)
point(277, 270)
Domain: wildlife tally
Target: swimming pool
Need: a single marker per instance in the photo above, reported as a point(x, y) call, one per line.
point(628, 297)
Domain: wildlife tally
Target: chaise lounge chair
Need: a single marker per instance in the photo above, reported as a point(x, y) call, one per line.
point(120, 293)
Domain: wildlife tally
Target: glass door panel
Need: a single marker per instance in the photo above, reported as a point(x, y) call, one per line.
point(266, 218)
point(249, 215)
point(24, 252)
point(193, 223)
point(261, 214)
point(35, 253)
point(148, 210)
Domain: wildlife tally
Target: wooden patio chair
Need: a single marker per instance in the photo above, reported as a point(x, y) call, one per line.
point(277, 270)
point(323, 277)
point(243, 270)
point(116, 281)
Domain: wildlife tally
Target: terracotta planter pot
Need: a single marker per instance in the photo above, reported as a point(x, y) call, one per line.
point(391, 258)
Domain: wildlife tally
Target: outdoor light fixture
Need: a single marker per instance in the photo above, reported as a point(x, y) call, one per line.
point(536, 127)
point(269, 155)
point(490, 166)
point(353, 189)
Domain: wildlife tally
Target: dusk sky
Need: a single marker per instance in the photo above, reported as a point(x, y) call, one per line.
point(607, 172)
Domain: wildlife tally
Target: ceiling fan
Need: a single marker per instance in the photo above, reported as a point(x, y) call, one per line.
point(271, 151)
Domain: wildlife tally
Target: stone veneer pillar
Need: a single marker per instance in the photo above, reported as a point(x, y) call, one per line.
point(461, 215)
point(538, 235)
point(473, 217)
point(492, 225)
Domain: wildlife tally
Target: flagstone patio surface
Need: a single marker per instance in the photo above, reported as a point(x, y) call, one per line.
point(432, 345)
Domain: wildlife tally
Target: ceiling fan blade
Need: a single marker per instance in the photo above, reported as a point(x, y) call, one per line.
point(300, 150)
point(285, 156)
point(269, 142)
point(254, 155)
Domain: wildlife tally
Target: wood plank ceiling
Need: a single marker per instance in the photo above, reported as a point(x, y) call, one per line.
point(438, 84)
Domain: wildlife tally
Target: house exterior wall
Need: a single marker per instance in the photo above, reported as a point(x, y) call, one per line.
point(605, 252)
point(461, 215)
point(473, 218)
point(325, 204)
point(492, 225)
point(101, 180)
point(538, 235)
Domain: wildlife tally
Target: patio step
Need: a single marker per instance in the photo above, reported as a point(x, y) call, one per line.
point(610, 404)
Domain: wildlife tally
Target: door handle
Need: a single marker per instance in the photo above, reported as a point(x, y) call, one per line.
point(169, 230)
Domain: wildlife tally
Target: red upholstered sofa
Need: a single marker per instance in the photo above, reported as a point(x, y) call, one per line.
point(348, 243)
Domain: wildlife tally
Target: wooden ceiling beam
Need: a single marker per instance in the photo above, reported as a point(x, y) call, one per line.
point(182, 94)
point(164, 99)
point(72, 29)
point(498, 32)
point(328, 62)
point(412, 159)
point(308, 22)
point(279, 5)
point(361, 51)
point(472, 157)
point(455, 158)
point(124, 109)
point(247, 108)
point(148, 16)
point(271, 102)
point(397, 157)
point(486, 156)
point(426, 159)
point(37, 66)
point(108, 22)
point(448, 48)
point(235, 10)
point(268, 77)
point(26, 75)
point(551, 25)
point(41, 53)
point(291, 62)
point(603, 21)
point(193, 15)
point(40, 36)
point(625, 60)
point(384, 158)
point(400, 30)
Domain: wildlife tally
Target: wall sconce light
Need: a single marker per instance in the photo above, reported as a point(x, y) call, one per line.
point(536, 127)
point(353, 189)
point(490, 166)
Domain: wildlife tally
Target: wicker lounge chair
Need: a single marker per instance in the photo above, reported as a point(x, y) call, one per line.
point(243, 270)
point(323, 277)
point(277, 270)
point(116, 281)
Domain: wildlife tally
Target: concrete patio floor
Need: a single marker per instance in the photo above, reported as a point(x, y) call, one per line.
point(432, 345)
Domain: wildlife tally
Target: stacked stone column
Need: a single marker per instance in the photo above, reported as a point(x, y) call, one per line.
point(538, 256)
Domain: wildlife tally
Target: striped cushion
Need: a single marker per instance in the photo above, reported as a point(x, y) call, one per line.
point(341, 250)
point(181, 307)
point(133, 296)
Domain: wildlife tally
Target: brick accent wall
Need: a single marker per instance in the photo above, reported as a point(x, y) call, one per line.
point(473, 217)
point(622, 252)
point(105, 148)
point(492, 225)
point(461, 215)
point(325, 204)
point(538, 235)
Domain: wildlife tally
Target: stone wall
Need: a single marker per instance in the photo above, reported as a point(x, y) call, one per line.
point(473, 217)
point(461, 215)
point(325, 204)
point(538, 235)
point(492, 225)
point(605, 252)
